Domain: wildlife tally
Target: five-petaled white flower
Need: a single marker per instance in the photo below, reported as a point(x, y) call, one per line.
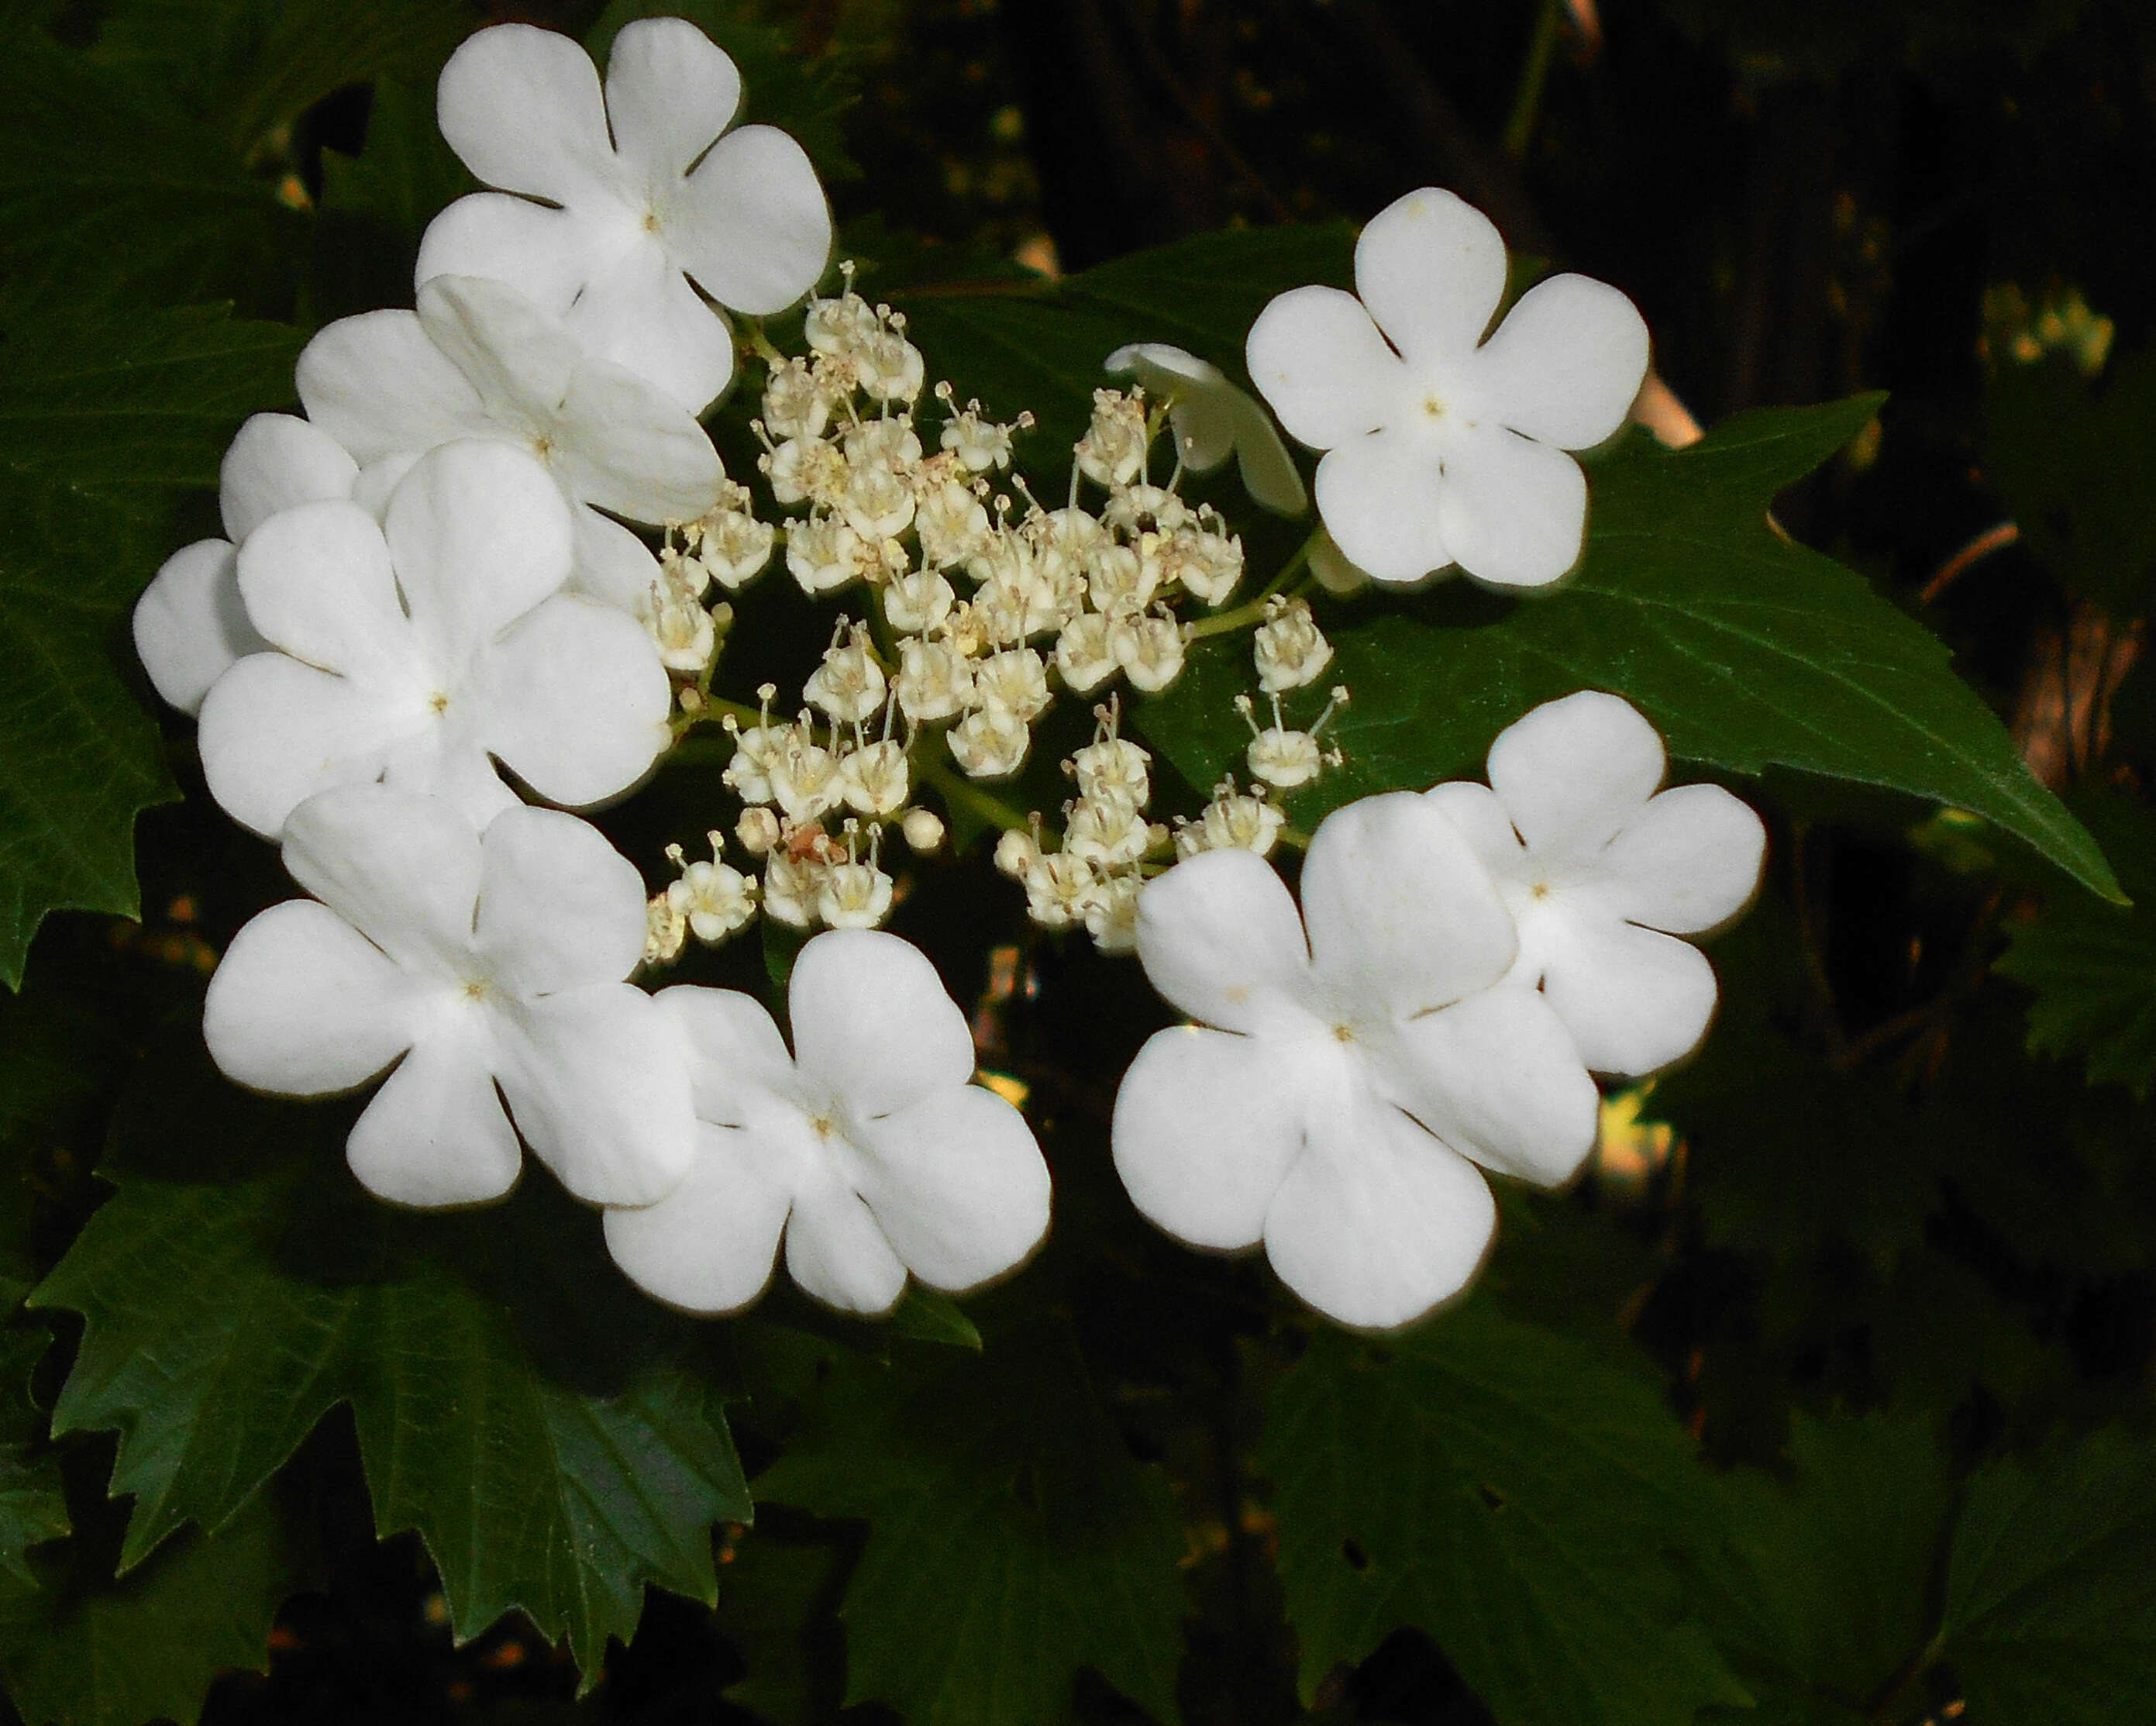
point(414, 650)
point(1212, 420)
point(1332, 1094)
point(1602, 873)
point(642, 195)
point(867, 1148)
point(479, 359)
point(480, 960)
point(1439, 451)
point(190, 624)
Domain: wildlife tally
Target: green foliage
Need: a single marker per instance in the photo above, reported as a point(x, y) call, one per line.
point(541, 1427)
point(1748, 651)
point(2093, 966)
point(2050, 1592)
point(1011, 1538)
point(32, 1503)
point(2075, 467)
point(1512, 1492)
point(404, 174)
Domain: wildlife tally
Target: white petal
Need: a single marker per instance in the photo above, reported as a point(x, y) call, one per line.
point(1170, 373)
point(1322, 366)
point(738, 1066)
point(479, 536)
point(627, 446)
point(1431, 269)
point(669, 90)
point(711, 1245)
point(435, 1133)
point(381, 388)
point(1572, 772)
point(1475, 810)
point(1513, 511)
point(958, 1186)
point(190, 625)
point(1497, 1078)
point(521, 106)
point(1380, 498)
point(612, 565)
point(558, 906)
point(275, 733)
point(1268, 471)
point(1403, 916)
point(835, 1250)
point(1687, 862)
point(576, 701)
point(643, 314)
point(446, 762)
point(403, 870)
point(597, 1079)
point(546, 254)
point(873, 1023)
point(518, 358)
point(1219, 938)
point(1206, 1125)
point(274, 461)
point(317, 581)
point(1633, 1000)
point(1376, 1221)
point(302, 1004)
point(1567, 363)
point(752, 224)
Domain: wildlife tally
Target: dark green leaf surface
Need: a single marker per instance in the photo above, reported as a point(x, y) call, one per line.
point(517, 1404)
point(1823, 1594)
point(2050, 1609)
point(33, 1506)
point(776, 1605)
point(1011, 1538)
point(2093, 966)
point(1512, 1493)
point(404, 174)
point(1747, 651)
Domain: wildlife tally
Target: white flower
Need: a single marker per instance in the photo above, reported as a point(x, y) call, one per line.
point(190, 624)
point(935, 680)
point(1212, 420)
point(1288, 647)
point(854, 895)
point(1085, 652)
point(1440, 451)
point(1334, 1105)
point(1149, 650)
point(622, 202)
point(989, 743)
point(479, 360)
point(481, 960)
point(1603, 873)
point(1112, 453)
point(867, 1149)
point(414, 650)
point(824, 554)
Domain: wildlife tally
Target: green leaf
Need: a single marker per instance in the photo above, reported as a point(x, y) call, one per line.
point(33, 1504)
point(1508, 1492)
point(1823, 1594)
point(777, 1601)
point(101, 416)
point(1748, 652)
point(111, 193)
point(537, 1421)
point(928, 1315)
point(2075, 470)
point(2051, 1610)
point(1011, 1540)
point(90, 1651)
point(781, 86)
point(2093, 966)
point(404, 174)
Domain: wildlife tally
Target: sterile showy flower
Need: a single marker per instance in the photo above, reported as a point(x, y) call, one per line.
point(1439, 451)
point(1337, 1090)
point(1212, 420)
point(415, 650)
point(479, 359)
point(1602, 873)
point(191, 624)
point(482, 960)
point(610, 207)
point(868, 1150)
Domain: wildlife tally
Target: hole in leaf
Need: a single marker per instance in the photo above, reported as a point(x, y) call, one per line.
point(1357, 1559)
point(1492, 1498)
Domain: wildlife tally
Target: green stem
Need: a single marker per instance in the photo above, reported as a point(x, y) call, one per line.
point(956, 789)
point(1534, 75)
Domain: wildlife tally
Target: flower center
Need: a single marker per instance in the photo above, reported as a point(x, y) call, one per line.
point(1343, 1033)
point(438, 703)
point(1433, 405)
point(476, 989)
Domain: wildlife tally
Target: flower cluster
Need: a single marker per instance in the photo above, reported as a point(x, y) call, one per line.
point(1463, 961)
point(480, 572)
